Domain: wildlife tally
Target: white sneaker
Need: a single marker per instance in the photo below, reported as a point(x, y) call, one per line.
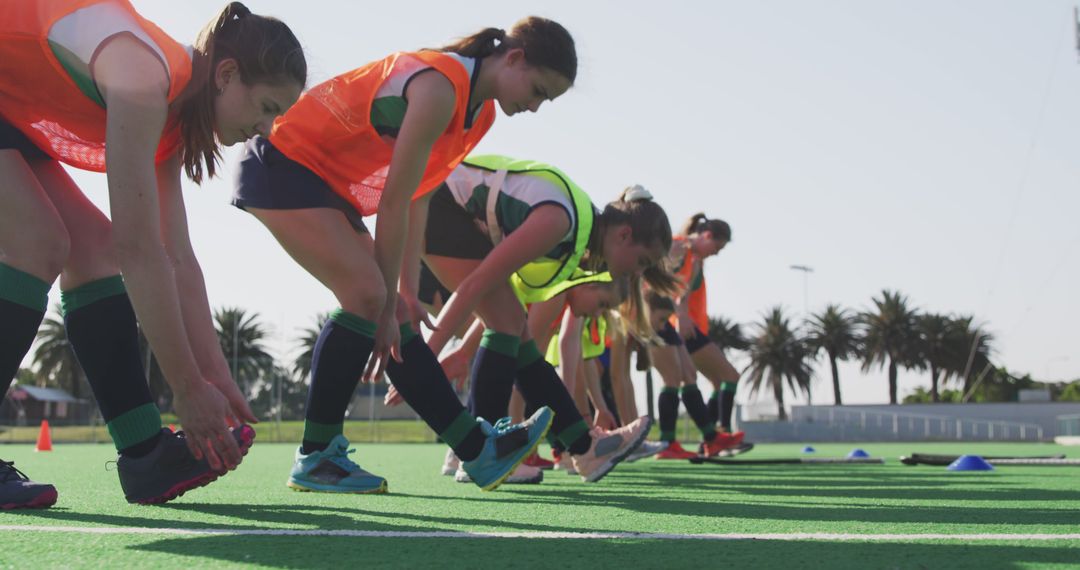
point(564, 463)
point(450, 464)
point(609, 447)
point(522, 475)
point(646, 449)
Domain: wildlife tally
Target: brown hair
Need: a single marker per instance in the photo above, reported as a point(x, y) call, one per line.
point(545, 43)
point(635, 207)
point(265, 50)
point(698, 223)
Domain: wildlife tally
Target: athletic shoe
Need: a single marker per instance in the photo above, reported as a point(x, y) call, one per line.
point(647, 449)
point(523, 475)
point(535, 460)
point(675, 451)
point(563, 462)
point(17, 491)
point(609, 448)
point(331, 471)
point(170, 470)
point(720, 442)
point(506, 447)
point(451, 464)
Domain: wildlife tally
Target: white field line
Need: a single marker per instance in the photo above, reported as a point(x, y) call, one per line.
point(812, 536)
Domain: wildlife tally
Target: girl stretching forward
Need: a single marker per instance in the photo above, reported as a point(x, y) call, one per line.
point(77, 76)
point(370, 141)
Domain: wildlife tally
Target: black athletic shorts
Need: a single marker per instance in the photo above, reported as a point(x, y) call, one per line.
point(12, 138)
point(269, 180)
point(669, 335)
point(452, 231)
point(429, 286)
point(697, 342)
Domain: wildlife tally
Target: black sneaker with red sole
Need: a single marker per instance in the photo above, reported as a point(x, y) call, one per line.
point(170, 470)
point(17, 491)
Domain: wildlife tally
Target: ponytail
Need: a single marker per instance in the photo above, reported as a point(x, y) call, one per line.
point(698, 223)
point(545, 44)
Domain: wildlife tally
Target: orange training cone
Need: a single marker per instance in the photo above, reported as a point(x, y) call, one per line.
point(44, 438)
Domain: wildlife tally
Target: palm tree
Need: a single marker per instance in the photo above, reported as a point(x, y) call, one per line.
point(970, 348)
point(306, 344)
point(727, 334)
point(934, 347)
point(888, 336)
point(241, 335)
point(55, 359)
point(776, 355)
point(833, 330)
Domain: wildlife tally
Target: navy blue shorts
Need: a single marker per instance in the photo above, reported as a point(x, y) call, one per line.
point(269, 180)
point(12, 138)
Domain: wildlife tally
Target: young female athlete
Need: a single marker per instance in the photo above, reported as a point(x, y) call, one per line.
point(371, 140)
point(699, 239)
point(77, 77)
point(498, 219)
point(688, 350)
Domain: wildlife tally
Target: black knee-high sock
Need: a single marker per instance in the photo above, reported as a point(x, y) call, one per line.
point(714, 406)
point(338, 361)
point(727, 404)
point(424, 386)
point(668, 410)
point(104, 334)
point(541, 385)
point(23, 299)
point(695, 406)
point(492, 376)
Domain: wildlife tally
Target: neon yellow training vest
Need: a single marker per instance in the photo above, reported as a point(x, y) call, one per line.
point(540, 279)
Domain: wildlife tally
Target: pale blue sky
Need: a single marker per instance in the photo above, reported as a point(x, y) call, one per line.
point(929, 147)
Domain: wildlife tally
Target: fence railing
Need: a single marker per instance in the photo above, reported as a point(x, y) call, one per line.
point(909, 426)
point(1069, 425)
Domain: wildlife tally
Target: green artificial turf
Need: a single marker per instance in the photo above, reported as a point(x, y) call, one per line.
point(649, 496)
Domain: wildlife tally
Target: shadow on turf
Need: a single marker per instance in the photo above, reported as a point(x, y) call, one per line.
point(288, 516)
point(338, 552)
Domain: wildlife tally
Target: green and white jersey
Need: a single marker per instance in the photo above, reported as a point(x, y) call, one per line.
point(76, 39)
point(388, 108)
point(521, 193)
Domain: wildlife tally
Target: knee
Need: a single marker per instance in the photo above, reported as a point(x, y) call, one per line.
point(363, 297)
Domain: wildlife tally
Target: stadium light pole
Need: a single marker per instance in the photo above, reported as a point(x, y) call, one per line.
point(806, 271)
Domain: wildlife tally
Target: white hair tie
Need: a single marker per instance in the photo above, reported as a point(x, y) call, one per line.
point(635, 193)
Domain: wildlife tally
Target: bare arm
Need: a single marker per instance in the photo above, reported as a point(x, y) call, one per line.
point(134, 85)
point(542, 316)
point(410, 267)
point(431, 106)
point(194, 304)
point(570, 349)
point(620, 379)
point(542, 230)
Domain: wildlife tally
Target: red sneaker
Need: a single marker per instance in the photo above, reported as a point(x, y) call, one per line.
point(675, 451)
point(719, 443)
point(535, 460)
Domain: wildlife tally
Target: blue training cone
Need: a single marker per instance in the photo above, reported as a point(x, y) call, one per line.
point(808, 449)
point(970, 463)
point(857, 453)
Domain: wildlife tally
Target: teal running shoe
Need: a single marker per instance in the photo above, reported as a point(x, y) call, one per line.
point(506, 447)
point(331, 471)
